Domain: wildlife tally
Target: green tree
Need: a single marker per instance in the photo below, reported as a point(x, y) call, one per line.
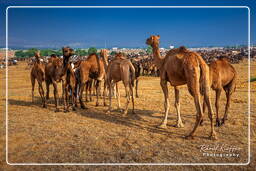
point(20, 54)
point(31, 52)
point(81, 52)
point(149, 50)
point(92, 50)
point(113, 53)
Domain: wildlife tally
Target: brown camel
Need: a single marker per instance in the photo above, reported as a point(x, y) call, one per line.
point(53, 75)
point(223, 76)
point(38, 73)
point(121, 69)
point(181, 66)
point(69, 79)
point(92, 68)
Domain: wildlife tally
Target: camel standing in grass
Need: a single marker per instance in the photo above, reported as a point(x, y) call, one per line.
point(38, 73)
point(181, 66)
point(92, 68)
point(223, 76)
point(121, 69)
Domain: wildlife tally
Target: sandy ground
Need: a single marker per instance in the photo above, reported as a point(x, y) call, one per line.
point(38, 135)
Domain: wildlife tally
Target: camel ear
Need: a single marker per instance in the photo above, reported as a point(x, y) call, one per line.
point(158, 36)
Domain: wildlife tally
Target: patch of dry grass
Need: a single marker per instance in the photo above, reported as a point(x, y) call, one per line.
point(83, 136)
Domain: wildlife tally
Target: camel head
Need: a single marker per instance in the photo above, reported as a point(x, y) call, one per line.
point(67, 51)
point(37, 54)
point(104, 53)
point(153, 40)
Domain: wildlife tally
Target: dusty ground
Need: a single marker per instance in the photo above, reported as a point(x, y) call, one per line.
point(37, 135)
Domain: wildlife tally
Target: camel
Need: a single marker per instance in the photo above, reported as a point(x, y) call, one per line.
point(53, 75)
point(38, 73)
point(91, 68)
point(137, 68)
point(69, 79)
point(223, 76)
point(181, 66)
point(121, 69)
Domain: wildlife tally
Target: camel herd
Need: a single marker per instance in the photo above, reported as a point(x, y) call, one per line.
point(179, 66)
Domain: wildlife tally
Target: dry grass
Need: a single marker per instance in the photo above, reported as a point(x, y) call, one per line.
point(85, 136)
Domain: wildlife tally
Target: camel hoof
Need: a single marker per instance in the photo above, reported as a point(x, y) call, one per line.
point(218, 124)
point(223, 121)
point(137, 96)
point(57, 110)
point(97, 104)
point(213, 137)
point(189, 137)
point(201, 122)
point(179, 125)
point(162, 126)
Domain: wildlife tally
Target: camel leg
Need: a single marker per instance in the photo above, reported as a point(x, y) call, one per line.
point(218, 93)
point(127, 99)
point(91, 90)
point(56, 96)
point(33, 87)
point(66, 98)
point(98, 84)
point(210, 112)
point(110, 96)
point(228, 96)
point(118, 98)
point(82, 85)
point(47, 89)
point(41, 92)
point(204, 107)
point(166, 103)
point(194, 89)
point(198, 115)
point(179, 123)
point(131, 90)
point(137, 83)
point(73, 98)
point(86, 91)
point(104, 94)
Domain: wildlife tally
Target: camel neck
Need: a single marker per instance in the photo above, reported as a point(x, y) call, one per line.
point(158, 59)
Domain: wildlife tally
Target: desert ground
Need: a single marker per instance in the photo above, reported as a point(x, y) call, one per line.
point(40, 135)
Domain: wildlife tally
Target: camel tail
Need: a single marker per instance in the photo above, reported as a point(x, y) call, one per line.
point(204, 77)
point(132, 70)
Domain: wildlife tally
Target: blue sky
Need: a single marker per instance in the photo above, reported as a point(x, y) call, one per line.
point(84, 27)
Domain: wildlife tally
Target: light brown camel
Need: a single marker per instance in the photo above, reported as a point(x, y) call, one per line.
point(69, 79)
point(38, 73)
point(223, 76)
point(121, 69)
point(92, 68)
point(181, 66)
point(53, 75)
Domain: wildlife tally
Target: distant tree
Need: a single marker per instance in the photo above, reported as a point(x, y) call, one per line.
point(81, 52)
point(113, 53)
point(92, 50)
point(149, 50)
point(20, 54)
point(31, 52)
